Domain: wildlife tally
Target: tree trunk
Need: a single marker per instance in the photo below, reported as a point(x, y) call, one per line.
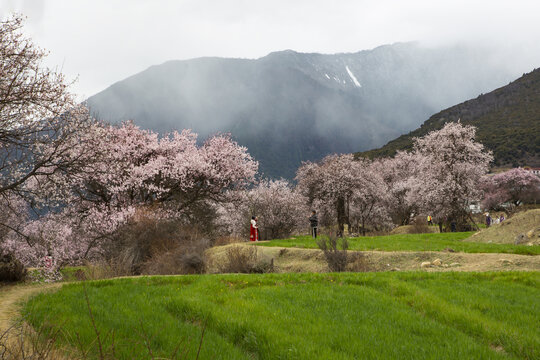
point(341, 215)
point(363, 227)
point(440, 227)
point(475, 226)
point(348, 217)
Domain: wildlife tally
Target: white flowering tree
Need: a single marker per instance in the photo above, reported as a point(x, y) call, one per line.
point(280, 209)
point(515, 186)
point(451, 164)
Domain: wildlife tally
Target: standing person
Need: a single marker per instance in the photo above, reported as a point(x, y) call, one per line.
point(429, 220)
point(257, 225)
point(253, 230)
point(453, 226)
point(501, 219)
point(314, 222)
point(488, 220)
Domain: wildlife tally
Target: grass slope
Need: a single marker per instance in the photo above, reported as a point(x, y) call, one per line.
point(414, 242)
point(309, 316)
point(506, 232)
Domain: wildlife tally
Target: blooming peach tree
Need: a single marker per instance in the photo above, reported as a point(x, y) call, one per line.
point(331, 183)
point(451, 164)
point(40, 120)
point(351, 189)
point(369, 197)
point(40, 125)
point(131, 168)
point(399, 174)
point(280, 210)
point(515, 186)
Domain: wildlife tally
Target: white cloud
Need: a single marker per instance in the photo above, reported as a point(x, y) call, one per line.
point(104, 41)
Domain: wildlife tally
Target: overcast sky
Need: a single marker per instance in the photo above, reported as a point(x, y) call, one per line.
point(104, 41)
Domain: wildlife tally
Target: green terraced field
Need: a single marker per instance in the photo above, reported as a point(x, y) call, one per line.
point(306, 316)
point(414, 242)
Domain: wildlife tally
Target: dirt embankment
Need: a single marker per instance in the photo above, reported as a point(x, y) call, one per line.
point(522, 228)
point(311, 260)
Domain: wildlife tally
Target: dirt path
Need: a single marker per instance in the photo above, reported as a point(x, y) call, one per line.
point(11, 297)
point(311, 260)
point(402, 260)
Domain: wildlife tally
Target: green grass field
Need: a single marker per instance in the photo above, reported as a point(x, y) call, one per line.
point(307, 316)
point(414, 242)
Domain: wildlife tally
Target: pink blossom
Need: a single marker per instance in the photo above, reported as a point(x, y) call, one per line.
point(450, 167)
point(514, 186)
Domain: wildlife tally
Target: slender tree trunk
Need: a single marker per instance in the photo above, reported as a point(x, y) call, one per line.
point(348, 216)
point(341, 215)
point(474, 222)
point(363, 227)
point(440, 226)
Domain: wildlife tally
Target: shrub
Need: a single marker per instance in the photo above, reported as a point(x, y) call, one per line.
point(103, 270)
point(22, 342)
point(263, 266)
point(159, 247)
point(44, 275)
point(419, 226)
point(11, 269)
point(175, 261)
point(226, 240)
point(336, 259)
point(358, 262)
point(245, 259)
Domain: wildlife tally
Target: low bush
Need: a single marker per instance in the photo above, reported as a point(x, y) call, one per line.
point(246, 260)
point(358, 262)
point(103, 270)
point(419, 226)
point(239, 259)
point(159, 247)
point(11, 269)
point(44, 275)
point(337, 259)
point(263, 266)
point(177, 260)
point(22, 342)
point(226, 240)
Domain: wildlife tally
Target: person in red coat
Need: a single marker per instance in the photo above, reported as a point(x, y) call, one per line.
point(253, 230)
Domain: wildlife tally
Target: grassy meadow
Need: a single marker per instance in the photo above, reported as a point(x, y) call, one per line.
point(414, 242)
point(304, 316)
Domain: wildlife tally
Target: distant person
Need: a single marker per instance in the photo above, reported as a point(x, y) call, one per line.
point(429, 220)
point(453, 226)
point(253, 230)
point(488, 220)
point(314, 222)
point(258, 230)
point(501, 219)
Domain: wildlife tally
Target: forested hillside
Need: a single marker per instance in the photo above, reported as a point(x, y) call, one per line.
point(508, 122)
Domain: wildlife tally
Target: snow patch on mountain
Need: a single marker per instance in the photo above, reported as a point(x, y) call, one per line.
point(354, 79)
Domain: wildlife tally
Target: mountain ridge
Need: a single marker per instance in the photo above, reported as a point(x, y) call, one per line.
point(507, 121)
point(288, 107)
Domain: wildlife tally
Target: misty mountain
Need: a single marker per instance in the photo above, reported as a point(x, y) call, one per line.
point(289, 107)
point(507, 121)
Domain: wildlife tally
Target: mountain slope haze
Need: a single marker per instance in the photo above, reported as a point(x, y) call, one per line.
point(507, 121)
point(289, 107)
